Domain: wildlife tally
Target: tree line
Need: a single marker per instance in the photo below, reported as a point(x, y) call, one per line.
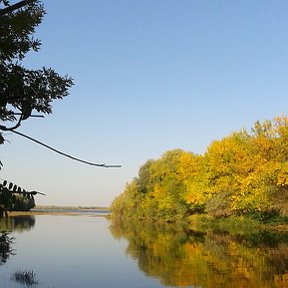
point(245, 173)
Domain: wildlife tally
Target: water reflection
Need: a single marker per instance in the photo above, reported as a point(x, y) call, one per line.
point(180, 257)
point(8, 225)
point(5, 247)
point(17, 223)
point(25, 278)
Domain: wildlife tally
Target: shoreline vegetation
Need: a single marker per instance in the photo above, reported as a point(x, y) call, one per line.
point(240, 181)
point(196, 222)
point(233, 225)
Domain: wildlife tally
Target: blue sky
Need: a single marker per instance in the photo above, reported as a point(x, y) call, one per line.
point(149, 76)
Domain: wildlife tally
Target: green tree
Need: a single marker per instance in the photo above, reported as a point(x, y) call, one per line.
point(23, 90)
point(241, 174)
point(159, 191)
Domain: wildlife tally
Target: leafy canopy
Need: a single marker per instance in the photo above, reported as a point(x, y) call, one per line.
point(23, 90)
point(241, 174)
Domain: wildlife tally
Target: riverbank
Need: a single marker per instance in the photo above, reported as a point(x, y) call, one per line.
point(64, 210)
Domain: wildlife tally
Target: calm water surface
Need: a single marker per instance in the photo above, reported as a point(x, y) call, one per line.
point(71, 251)
point(88, 251)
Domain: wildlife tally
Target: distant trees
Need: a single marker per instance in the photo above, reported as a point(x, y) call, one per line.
point(242, 174)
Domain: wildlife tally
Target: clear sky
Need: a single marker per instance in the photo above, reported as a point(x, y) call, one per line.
point(149, 76)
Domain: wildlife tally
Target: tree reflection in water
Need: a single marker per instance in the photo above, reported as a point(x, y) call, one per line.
point(17, 223)
point(25, 278)
point(180, 257)
point(8, 225)
point(5, 246)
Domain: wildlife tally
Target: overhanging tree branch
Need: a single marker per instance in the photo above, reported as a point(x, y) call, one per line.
point(17, 125)
point(32, 115)
point(14, 7)
point(64, 154)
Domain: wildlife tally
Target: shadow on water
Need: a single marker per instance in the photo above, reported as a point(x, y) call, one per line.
point(181, 257)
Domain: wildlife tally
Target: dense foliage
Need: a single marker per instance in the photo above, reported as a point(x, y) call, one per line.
point(15, 198)
point(242, 174)
point(23, 90)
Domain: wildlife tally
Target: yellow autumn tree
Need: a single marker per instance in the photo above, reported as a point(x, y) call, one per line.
point(241, 174)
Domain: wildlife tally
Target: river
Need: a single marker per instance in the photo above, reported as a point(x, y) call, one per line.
point(92, 251)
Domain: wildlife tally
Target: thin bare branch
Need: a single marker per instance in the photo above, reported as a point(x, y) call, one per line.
point(64, 154)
